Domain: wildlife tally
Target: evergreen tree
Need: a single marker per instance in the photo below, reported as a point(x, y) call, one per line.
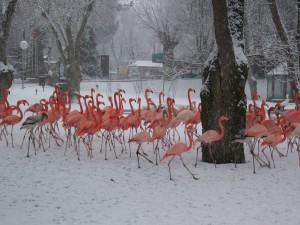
point(89, 56)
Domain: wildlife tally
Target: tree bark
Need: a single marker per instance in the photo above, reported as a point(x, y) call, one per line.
point(169, 43)
point(298, 32)
point(224, 92)
point(6, 76)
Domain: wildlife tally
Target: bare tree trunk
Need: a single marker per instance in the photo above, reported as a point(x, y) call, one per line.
point(6, 76)
point(225, 84)
point(71, 55)
point(285, 41)
point(298, 33)
point(169, 43)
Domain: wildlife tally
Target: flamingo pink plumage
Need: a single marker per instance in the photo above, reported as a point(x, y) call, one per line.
point(179, 148)
point(212, 136)
point(140, 138)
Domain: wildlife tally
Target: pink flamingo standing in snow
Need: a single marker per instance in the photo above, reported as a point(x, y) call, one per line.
point(211, 136)
point(178, 149)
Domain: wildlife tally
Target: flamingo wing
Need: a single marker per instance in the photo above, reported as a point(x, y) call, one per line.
point(209, 136)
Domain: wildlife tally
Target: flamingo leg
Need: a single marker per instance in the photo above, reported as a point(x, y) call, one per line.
point(12, 137)
point(5, 135)
point(138, 153)
point(28, 145)
point(211, 155)
point(23, 139)
point(253, 162)
point(145, 154)
point(78, 149)
point(68, 140)
point(279, 153)
point(169, 165)
point(124, 142)
point(196, 163)
point(298, 154)
point(269, 163)
point(272, 155)
point(195, 178)
point(157, 152)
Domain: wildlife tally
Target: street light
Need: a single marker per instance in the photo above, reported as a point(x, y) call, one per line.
point(24, 46)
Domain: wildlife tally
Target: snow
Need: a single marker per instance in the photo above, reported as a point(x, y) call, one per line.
point(5, 68)
point(53, 188)
point(141, 63)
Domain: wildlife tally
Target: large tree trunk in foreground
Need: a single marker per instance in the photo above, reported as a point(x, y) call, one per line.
point(224, 92)
point(6, 72)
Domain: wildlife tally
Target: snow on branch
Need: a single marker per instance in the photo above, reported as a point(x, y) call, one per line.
point(4, 68)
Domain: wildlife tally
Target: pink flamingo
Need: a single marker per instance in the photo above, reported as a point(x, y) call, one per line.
point(5, 109)
point(141, 138)
point(172, 122)
point(274, 139)
point(37, 107)
point(186, 114)
point(251, 136)
point(211, 136)
point(178, 149)
point(13, 119)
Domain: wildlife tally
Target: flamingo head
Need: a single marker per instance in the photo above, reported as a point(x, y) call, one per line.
point(278, 106)
point(131, 100)
point(148, 90)
point(191, 89)
point(23, 102)
point(121, 90)
point(99, 95)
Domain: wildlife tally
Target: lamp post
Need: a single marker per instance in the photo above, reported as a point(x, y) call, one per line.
point(24, 46)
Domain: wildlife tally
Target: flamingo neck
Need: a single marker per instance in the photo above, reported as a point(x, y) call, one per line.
point(92, 95)
point(116, 103)
point(199, 107)
point(278, 118)
point(139, 108)
point(221, 128)
point(155, 107)
point(146, 97)
point(160, 99)
point(284, 133)
point(190, 140)
point(131, 107)
point(189, 97)
point(79, 102)
point(169, 109)
point(21, 113)
point(263, 112)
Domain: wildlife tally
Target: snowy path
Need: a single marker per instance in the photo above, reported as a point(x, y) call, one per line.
point(51, 188)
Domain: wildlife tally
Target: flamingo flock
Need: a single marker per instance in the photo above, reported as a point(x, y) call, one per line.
point(155, 123)
point(264, 131)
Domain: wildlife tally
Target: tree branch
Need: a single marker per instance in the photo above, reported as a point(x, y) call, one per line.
point(45, 15)
point(88, 11)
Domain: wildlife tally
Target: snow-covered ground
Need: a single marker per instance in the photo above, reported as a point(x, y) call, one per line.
point(53, 188)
